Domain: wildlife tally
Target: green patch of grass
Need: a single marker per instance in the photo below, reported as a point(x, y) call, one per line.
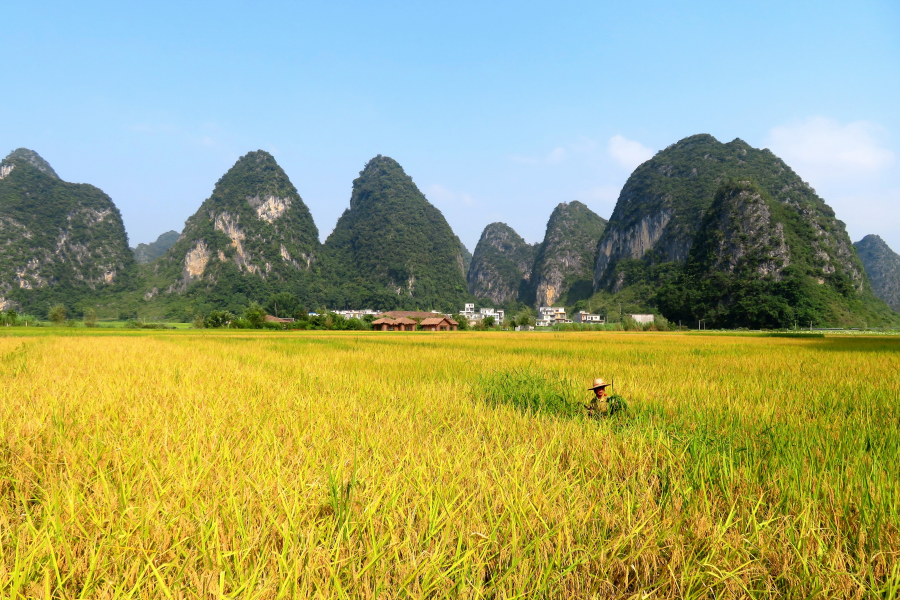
point(531, 392)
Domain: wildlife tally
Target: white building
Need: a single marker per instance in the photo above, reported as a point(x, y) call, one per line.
point(586, 317)
point(474, 317)
point(550, 315)
point(642, 318)
point(356, 314)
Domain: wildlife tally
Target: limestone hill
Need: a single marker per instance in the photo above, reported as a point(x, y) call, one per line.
point(251, 238)
point(60, 242)
point(392, 248)
point(883, 268)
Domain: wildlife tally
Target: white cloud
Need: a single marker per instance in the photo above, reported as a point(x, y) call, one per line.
point(628, 153)
point(556, 155)
point(822, 149)
point(441, 195)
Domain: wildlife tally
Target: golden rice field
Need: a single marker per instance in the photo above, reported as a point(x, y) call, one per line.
point(203, 464)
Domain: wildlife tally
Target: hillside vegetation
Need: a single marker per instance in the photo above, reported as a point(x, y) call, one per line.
point(663, 208)
point(60, 242)
point(251, 238)
point(753, 264)
point(145, 253)
point(392, 248)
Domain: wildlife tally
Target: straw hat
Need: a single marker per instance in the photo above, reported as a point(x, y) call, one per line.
point(598, 383)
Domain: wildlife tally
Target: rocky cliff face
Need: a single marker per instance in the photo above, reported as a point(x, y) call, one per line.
point(663, 203)
point(883, 268)
point(392, 248)
point(253, 233)
point(756, 262)
point(145, 253)
point(59, 241)
point(501, 265)
point(564, 262)
point(739, 232)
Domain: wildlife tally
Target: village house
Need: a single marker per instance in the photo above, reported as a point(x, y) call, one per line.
point(398, 324)
point(642, 319)
point(586, 317)
point(550, 315)
point(438, 324)
point(473, 317)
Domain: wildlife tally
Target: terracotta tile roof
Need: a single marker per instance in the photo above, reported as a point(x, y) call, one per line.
point(271, 319)
point(389, 321)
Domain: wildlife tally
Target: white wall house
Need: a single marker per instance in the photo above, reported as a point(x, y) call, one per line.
point(470, 314)
point(551, 315)
point(586, 317)
point(356, 314)
point(642, 318)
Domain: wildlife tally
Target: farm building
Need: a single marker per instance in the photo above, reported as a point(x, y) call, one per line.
point(438, 324)
point(388, 324)
point(271, 319)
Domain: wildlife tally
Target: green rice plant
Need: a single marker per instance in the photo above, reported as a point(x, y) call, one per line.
point(530, 391)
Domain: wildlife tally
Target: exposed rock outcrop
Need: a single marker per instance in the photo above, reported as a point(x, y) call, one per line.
point(501, 265)
point(883, 268)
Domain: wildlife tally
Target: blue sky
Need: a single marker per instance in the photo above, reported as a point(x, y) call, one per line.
point(499, 111)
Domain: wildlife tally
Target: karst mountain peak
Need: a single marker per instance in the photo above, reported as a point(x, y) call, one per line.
point(721, 230)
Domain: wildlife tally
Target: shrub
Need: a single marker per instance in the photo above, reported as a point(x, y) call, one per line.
point(57, 314)
point(90, 318)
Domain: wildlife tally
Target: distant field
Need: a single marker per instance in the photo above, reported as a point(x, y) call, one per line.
point(209, 464)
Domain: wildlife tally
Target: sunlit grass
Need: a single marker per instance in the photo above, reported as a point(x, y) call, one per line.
point(278, 465)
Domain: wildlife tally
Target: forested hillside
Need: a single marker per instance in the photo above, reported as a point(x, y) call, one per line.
point(501, 266)
point(883, 268)
point(145, 253)
point(564, 264)
point(251, 238)
point(755, 263)
point(663, 207)
point(60, 242)
point(392, 249)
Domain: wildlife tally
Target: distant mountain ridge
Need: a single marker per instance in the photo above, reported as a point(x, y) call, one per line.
point(505, 268)
point(883, 268)
point(145, 253)
point(721, 232)
point(59, 241)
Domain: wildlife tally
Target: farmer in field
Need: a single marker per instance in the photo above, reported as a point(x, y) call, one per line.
point(599, 404)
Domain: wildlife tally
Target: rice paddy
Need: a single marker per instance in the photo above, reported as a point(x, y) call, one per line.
point(200, 464)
